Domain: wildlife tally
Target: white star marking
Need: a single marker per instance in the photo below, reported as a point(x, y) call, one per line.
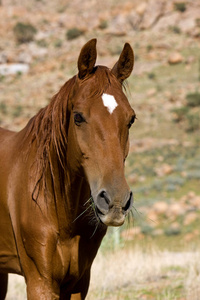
point(109, 102)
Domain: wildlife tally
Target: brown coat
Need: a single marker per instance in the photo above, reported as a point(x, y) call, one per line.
point(62, 181)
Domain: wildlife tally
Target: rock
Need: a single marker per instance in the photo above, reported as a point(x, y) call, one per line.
point(196, 202)
point(163, 170)
point(152, 217)
point(175, 226)
point(134, 19)
point(37, 52)
point(119, 26)
point(190, 218)
point(174, 229)
point(175, 209)
point(191, 195)
point(25, 58)
point(190, 59)
point(175, 58)
point(151, 92)
point(160, 207)
point(187, 25)
point(3, 58)
point(167, 21)
point(153, 12)
point(191, 236)
point(140, 9)
point(9, 69)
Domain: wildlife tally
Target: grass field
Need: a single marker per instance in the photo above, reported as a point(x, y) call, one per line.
point(144, 272)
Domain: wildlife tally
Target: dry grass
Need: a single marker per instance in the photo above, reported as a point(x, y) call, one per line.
point(137, 274)
point(16, 288)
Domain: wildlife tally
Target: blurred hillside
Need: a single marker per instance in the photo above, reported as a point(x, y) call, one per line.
point(40, 42)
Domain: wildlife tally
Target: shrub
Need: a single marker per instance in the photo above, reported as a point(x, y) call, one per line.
point(103, 24)
point(175, 29)
point(175, 180)
point(73, 33)
point(198, 22)
point(172, 231)
point(180, 6)
point(194, 174)
point(58, 43)
point(146, 229)
point(24, 32)
point(180, 113)
point(149, 47)
point(193, 122)
point(151, 75)
point(3, 108)
point(42, 43)
point(193, 99)
point(17, 111)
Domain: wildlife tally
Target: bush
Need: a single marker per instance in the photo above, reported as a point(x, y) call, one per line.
point(17, 111)
point(180, 6)
point(146, 229)
point(175, 29)
point(193, 99)
point(172, 231)
point(42, 43)
point(58, 43)
point(149, 47)
point(151, 75)
point(3, 108)
point(24, 32)
point(193, 122)
point(194, 174)
point(103, 24)
point(180, 113)
point(73, 33)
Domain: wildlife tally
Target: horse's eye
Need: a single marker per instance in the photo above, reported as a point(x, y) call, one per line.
point(78, 119)
point(131, 121)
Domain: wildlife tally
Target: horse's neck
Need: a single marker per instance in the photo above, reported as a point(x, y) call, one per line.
point(70, 197)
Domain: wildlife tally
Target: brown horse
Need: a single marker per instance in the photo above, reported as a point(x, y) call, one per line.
point(62, 181)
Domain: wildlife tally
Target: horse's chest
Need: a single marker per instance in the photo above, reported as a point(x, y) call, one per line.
point(74, 259)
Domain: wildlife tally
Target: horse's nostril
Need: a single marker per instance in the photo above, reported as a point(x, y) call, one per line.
point(129, 202)
point(103, 195)
point(103, 202)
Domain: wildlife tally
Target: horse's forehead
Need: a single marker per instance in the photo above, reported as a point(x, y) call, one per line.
point(106, 99)
point(109, 102)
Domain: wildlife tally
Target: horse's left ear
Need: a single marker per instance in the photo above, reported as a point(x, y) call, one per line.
point(124, 66)
point(87, 59)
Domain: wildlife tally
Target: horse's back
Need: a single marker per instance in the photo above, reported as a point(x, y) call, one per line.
point(8, 252)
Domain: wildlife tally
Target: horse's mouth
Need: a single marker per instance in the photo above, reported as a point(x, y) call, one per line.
point(114, 217)
point(109, 212)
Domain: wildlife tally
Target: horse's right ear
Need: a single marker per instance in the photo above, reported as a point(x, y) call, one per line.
point(124, 66)
point(87, 59)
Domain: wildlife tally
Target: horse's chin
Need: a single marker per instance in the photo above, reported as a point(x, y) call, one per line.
point(110, 220)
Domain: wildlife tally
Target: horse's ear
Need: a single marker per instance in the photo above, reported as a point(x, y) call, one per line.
point(124, 66)
point(87, 59)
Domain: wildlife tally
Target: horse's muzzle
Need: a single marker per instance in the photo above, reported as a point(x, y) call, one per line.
point(110, 212)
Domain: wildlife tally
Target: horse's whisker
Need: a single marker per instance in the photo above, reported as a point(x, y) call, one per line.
point(90, 199)
point(95, 229)
point(82, 213)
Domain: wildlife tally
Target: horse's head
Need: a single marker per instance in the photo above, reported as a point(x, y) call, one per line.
point(100, 118)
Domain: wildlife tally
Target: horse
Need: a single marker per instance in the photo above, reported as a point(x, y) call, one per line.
point(62, 180)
